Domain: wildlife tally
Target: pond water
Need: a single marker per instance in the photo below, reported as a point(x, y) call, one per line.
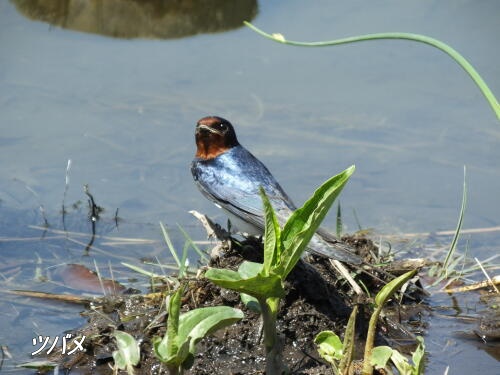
point(123, 110)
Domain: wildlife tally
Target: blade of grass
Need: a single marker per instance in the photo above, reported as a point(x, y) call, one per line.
point(142, 271)
point(339, 221)
point(200, 252)
point(184, 265)
point(170, 245)
point(112, 275)
point(166, 267)
point(99, 277)
point(358, 223)
point(453, 245)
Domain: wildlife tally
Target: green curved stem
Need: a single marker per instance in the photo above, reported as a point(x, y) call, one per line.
point(408, 36)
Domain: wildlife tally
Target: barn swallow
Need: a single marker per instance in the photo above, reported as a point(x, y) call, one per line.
point(230, 176)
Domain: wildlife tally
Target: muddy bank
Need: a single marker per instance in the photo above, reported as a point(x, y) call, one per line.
point(317, 299)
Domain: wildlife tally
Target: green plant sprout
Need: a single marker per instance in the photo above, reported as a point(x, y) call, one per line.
point(128, 354)
point(488, 94)
point(182, 262)
point(338, 224)
point(380, 299)
point(340, 354)
point(178, 347)
point(382, 354)
point(448, 269)
point(337, 353)
point(283, 248)
point(453, 245)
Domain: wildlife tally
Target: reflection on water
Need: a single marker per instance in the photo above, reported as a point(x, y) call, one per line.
point(157, 19)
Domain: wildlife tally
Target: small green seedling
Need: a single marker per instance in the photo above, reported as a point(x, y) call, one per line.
point(382, 354)
point(340, 355)
point(448, 270)
point(283, 248)
point(337, 353)
point(380, 299)
point(128, 354)
point(178, 347)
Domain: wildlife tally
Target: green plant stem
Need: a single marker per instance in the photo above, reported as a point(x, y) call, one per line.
point(349, 343)
point(370, 339)
point(175, 370)
point(274, 363)
point(488, 94)
point(380, 299)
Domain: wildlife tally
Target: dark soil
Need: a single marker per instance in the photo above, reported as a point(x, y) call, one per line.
point(317, 299)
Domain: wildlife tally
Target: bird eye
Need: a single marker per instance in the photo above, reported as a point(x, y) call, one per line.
point(222, 126)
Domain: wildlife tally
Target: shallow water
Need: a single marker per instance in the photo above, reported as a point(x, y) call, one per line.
point(124, 110)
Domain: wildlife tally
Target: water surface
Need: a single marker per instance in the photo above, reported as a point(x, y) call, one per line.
point(124, 109)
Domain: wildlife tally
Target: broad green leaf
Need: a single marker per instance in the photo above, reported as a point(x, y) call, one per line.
point(128, 353)
point(418, 356)
point(401, 363)
point(272, 235)
point(174, 310)
point(330, 348)
point(380, 356)
point(223, 277)
point(304, 222)
point(182, 354)
point(249, 269)
point(160, 347)
point(258, 286)
point(173, 359)
point(167, 348)
point(392, 287)
point(250, 302)
point(191, 327)
point(196, 324)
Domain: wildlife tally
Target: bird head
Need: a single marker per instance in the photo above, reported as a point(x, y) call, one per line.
point(214, 136)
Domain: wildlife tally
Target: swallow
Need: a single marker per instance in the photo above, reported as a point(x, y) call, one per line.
point(230, 176)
